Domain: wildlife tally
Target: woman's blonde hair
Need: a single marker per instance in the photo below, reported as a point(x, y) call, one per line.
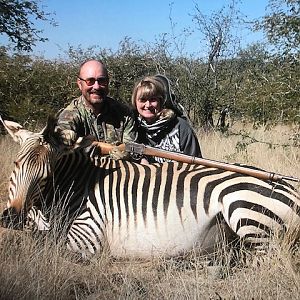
point(150, 87)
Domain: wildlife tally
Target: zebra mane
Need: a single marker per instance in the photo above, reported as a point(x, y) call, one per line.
point(52, 135)
point(49, 130)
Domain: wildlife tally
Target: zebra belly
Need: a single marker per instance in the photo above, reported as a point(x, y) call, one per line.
point(137, 236)
point(166, 237)
point(143, 245)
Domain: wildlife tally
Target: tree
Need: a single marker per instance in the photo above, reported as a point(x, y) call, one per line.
point(222, 44)
point(282, 24)
point(15, 22)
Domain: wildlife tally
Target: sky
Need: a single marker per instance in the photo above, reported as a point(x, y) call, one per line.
point(104, 23)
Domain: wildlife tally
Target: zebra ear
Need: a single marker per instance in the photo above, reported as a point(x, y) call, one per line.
point(48, 130)
point(16, 131)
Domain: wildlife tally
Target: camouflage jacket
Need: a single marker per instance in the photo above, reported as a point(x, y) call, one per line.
point(115, 124)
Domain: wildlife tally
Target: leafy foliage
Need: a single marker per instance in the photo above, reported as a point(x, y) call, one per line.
point(269, 92)
point(253, 86)
point(15, 22)
point(33, 88)
point(282, 24)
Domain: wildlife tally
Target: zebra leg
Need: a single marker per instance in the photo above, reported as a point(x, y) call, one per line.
point(253, 223)
point(36, 220)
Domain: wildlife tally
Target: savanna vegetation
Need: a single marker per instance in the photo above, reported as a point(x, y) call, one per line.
point(244, 103)
point(254, 83)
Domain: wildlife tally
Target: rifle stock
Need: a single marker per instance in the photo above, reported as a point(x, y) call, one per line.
point(141, 149)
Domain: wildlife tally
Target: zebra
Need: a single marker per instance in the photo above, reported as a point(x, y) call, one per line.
point(162, 209)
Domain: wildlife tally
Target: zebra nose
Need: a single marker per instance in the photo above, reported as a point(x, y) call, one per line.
point(11, 219)
point(15, 204)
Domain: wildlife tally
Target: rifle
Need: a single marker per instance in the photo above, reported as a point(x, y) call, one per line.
point(141, 149)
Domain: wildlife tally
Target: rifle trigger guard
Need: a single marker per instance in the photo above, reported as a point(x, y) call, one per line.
point(136, 150)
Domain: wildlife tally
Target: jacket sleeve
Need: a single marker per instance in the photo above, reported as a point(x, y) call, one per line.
point(67, 125)
point(189, 143)
point(130, 129)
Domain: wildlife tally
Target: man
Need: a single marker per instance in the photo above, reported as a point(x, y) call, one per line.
point(94, 113)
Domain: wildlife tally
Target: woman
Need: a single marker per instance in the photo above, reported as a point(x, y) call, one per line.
point(161, 123)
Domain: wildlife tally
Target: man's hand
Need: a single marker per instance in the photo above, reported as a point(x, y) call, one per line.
point(67, 137)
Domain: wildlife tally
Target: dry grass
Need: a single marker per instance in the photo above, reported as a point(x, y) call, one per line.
point(274, 151)
point(41, 268)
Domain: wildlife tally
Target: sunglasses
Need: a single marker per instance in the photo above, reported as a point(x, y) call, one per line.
point(91, 81)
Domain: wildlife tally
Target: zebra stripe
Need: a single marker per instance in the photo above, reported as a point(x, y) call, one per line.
point(143, 210)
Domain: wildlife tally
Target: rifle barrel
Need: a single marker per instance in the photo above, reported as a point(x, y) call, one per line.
point(213, 164)
point(151, 151)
